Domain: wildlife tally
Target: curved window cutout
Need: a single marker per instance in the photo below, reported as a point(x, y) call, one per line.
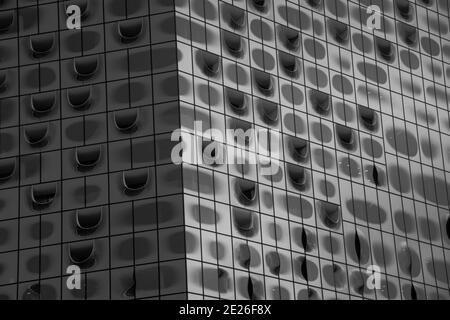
point(385, 49)
point(315, 3)
point(83, 4)
point(245, 221)
point(264, 82)
point(234, 44)
point(88, 156)
point(42, 45)
point(346, 137)
point(290, 38)
point(237, 17)
point(297, 176)
point(3, 80)
point(330, 215)
point(357, 245)
point(250, 289)
point(37, 135)
point(82, 254)
point(80, 98)
point(126, 120)
point(269, 112)
point(321, 102)
point(6, 20)
point(289, 64)
point(339, 31)
point(213, 153)
point(237, 100)
point(246, 191)
point(273, 262)
point(413, 292)
point(85, 67)
point(376, 176)
point(409, 261)
point(88, 220)
point(130, 30)
point(299, 149)
point(244, 255)
point(308, 240)
point(43, 103)
point(361, 248)
point(448, 227)
point(43, 194)
point(369, 118)
point(261, 5)
point(7, 168)
point(408, 34)
point(405, 9)
point(308, 269)
point(135, 180)
point(211, 63)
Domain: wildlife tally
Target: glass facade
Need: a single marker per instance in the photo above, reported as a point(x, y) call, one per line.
point(355, 95)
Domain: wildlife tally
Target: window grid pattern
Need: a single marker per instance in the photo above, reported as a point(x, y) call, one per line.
point(395, 219)
point(87, 178)
point(84, 122)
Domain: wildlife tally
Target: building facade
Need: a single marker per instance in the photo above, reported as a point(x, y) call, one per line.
point(225, 149)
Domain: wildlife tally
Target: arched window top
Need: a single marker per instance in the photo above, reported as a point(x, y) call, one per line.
point(135, 180)
point(264, 82)
point(79, 98)
point(37, 135)
point(385, 49)
point(126, 120)
point(405, 9)
point(408, 33)
point(298, 176)
point(369, 117)
point(42, 44)
point(339, 31)
point(88, 156)
point(234, 43)
point(269, 112)
point(299, 149)
point(88, 220)
point(290, 64)
point(82, 253)
point(321, 102)
point(6, 20)
point(237, 100)
point(245, 221)
point(43, 103)
point(130, 30)
point(330, 214)
point(246, 191)
point(210, 63)
point(7, 168)
point(43, 194)
point(346, 137)
point(85, 67)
